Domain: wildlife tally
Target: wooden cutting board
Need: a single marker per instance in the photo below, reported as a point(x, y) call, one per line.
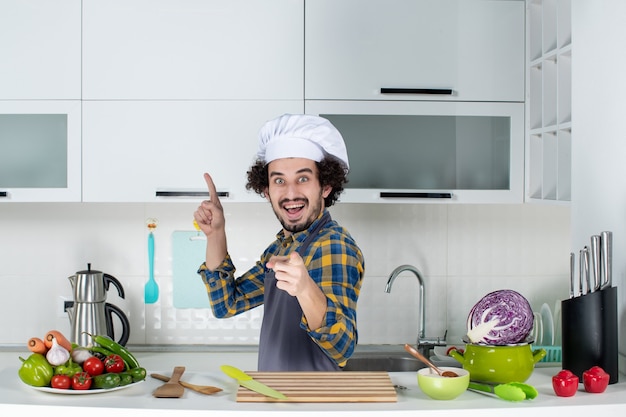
point(323, 387)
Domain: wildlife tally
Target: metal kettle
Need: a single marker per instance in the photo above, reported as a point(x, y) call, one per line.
point(89, 312)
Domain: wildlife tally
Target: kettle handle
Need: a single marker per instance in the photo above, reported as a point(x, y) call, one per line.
point(110, 309)
point(108, 279)
point(538, 354)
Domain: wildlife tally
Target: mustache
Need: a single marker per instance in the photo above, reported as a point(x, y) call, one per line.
point(295, 200)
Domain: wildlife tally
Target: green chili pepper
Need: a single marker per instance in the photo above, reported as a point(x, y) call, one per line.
point(138, 374)
point(106, 381)
point(125, 378)
point(36, 370)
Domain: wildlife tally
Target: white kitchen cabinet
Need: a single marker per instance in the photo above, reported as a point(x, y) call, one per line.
point(193, 49)
point(40, 49)
point(473, 48)
point(40, 151)
point(148, 151)
point(430, 152)
point(549, 102)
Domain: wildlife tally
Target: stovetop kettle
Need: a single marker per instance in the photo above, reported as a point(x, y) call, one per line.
point(89, 313)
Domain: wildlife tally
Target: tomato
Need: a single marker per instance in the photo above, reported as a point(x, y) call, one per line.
point(114, 364)
point(93, 366)
point(81, 381)
point(61, 381)
point(595, 380)
point(451, 348)
point(565, 383)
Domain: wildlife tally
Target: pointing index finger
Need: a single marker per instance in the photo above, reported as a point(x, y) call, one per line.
point(213, 197)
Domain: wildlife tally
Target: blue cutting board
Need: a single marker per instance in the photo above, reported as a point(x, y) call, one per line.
point(187, 255)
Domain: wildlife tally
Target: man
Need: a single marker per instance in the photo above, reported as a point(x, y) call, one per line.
point(309, 278)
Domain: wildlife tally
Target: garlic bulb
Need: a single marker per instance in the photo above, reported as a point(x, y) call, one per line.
point(57, 355)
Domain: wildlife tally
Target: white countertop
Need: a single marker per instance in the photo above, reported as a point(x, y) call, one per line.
point(203, 368)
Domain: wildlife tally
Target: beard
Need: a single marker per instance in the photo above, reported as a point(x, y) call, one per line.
point(313, 213)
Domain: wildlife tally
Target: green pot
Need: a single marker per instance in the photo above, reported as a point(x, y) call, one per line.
point(501, 364)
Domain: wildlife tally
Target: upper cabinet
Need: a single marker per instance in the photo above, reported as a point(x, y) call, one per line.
point(40, 156)
point(158, 150)
point(465, 50)
point(190, 49)
point(549, 101)
point(40, 50)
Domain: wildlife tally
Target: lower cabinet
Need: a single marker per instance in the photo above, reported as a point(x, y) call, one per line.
point(148, 151)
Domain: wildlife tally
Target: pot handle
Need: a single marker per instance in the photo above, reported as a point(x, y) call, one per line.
point(109, 310)
point(457, 355)
point(538, 354)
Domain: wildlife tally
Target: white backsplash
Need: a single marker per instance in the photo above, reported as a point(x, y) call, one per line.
point(463, 251)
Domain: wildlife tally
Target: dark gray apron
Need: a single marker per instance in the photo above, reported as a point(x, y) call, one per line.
point(283, 344)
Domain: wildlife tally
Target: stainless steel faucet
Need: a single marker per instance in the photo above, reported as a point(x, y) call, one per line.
point(424, 344)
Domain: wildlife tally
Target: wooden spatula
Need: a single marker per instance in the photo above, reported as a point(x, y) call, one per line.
point(171, 389)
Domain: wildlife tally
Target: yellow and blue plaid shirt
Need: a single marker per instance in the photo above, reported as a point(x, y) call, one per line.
point(334, 262)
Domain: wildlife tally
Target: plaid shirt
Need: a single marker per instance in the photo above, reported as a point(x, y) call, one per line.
point(334, 262)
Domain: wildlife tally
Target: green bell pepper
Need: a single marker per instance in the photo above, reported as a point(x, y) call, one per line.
point(106, 381)
point(35, 370)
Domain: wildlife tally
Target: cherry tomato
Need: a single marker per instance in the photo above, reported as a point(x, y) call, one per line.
point(114, 364)
point(595, 380)
point(81, 381)
point(565, 383)
point(61, 382)
point(93, 366)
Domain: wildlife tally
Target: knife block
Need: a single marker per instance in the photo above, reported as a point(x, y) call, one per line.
point(589, 333)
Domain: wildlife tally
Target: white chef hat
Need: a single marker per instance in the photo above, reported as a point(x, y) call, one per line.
point(301, 136)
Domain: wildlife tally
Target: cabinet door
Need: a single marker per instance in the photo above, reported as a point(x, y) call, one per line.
point(40, 49)
point(430, 152)
point(134, 149)
point(40, 150)
point(191, 49)
point(474, 48)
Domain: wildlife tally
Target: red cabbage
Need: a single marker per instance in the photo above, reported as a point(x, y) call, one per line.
point(502, 317)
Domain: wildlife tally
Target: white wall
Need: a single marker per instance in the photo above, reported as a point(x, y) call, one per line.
point(464, 251)
point(598, 138)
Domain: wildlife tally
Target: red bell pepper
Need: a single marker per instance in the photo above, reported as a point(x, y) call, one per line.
point(565, 383)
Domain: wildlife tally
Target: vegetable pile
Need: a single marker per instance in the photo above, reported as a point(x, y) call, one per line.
point(502, 317)
point(57, 363)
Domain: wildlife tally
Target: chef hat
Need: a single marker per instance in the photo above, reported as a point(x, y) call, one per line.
point(301, 136)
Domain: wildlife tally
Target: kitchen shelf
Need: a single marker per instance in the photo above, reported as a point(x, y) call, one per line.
point(548, 101)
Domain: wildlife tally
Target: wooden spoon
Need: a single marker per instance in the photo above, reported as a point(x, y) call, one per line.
point(431, 365)
point(171, 389)
point(202, 389)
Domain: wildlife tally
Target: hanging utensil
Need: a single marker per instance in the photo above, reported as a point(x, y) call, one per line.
point(151, 289)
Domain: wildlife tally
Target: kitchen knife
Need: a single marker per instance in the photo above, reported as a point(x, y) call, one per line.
point(586, 271)
point(572, 262)
point(246, 381)
point(581, 269)
point(606, 254)
point(595, 262)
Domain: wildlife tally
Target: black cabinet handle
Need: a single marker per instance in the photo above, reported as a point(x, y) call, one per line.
point(3, 193)
point(189, 194)
point(437, 91)
point(385, 194)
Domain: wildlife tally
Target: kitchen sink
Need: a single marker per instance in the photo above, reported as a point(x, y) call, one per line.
point(390, 362)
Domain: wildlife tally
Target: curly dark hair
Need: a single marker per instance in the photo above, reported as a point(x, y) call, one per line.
point(329, 172)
